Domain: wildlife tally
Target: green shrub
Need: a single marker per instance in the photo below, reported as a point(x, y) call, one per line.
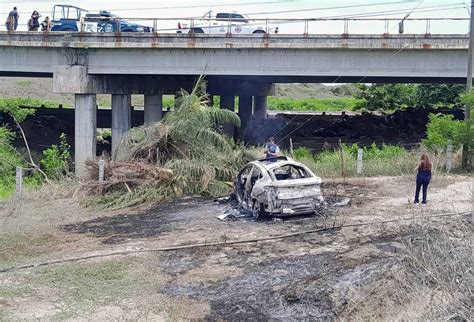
point(9, 160)
point(442, 128)
point(301, 153)
point(57, 159)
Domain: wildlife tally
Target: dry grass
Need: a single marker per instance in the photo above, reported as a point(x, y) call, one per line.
point(52, 203)
point(432, 278)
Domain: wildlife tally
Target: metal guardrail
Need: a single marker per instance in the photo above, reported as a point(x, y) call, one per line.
point(191, 24)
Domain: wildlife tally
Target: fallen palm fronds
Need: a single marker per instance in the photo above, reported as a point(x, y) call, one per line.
point(184, 154)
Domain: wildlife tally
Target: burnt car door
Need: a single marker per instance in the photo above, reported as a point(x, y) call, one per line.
point(243, 184)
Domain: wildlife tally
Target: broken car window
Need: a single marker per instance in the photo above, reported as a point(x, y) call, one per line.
point(290, 172)
point(256, 174)
point(243, 177)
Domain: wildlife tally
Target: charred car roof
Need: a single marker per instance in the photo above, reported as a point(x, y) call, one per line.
point(280, 161)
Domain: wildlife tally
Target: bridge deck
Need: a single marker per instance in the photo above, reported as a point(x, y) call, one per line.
point(204, 41)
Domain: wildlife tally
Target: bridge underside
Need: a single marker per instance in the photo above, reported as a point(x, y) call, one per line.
point(290, 79)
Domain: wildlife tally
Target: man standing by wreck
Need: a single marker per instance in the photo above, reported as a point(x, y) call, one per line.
point(271, 150)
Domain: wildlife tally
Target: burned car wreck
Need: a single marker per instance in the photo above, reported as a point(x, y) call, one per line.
point(281, 187)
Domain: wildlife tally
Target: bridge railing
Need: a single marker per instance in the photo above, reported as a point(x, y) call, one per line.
point(235, 26)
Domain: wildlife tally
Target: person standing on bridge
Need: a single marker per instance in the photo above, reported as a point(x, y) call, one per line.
point(423, 178)
point(33, 23)
point(12, 20)
point(46, 25)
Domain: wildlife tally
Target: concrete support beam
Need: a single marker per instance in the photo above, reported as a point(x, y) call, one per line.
point(121, 118)
point(85, 127)
point(153, 108)
point(245, 114)
point(221, 86)
point(75, 79)
point(260, 107)
point(228, 102)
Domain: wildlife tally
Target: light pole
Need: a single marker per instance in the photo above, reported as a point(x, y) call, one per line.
point(469, 59)
point(466, 159)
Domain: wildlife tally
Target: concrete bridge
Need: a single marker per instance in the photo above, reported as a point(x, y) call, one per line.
point(246, 66)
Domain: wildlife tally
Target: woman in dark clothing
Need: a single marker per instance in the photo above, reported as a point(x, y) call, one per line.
point(33, 23)
point(423, 177)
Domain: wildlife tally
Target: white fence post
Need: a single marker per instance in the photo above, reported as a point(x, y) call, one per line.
point(101, 170)
point(19, 181)
point(359, 161)
point(449, 156)
point(291, 146)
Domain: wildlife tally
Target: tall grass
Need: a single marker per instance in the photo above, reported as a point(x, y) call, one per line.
point(312, 104)
point(387, 160)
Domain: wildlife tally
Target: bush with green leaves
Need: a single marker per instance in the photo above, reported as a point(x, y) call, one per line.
point(444, 128)
point(302, 153)
point(438, 94)
point(56, 161)
point(9, 160)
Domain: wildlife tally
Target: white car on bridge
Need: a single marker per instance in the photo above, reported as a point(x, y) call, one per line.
point(225, 23)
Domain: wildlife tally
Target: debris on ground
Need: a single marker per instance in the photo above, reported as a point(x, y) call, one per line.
point(344, 202)
point(227, 217)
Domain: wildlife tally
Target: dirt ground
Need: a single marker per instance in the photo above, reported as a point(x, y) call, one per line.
point(325, 275)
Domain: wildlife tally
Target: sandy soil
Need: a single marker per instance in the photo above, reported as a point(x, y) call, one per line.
point(304, 277)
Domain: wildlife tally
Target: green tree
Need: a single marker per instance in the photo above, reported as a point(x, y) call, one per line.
point(394, 96)
point(438, 94)
point(386, 96)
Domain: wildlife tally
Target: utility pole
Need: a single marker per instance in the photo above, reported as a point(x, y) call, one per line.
point(469, 59)
point(466, 159)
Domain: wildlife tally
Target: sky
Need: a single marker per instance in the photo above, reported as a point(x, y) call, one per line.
point(274, 10)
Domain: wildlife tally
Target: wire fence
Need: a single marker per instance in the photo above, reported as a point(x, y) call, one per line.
point(340, 162)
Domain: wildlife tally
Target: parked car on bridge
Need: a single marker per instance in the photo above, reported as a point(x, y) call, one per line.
point(223, 23)
point(279, 188)
point(68, 18)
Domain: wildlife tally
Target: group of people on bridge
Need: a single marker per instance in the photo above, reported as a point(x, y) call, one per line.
point(11, 22)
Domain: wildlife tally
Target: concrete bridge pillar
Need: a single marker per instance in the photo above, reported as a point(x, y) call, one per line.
point(121, 118)
point(153, 108)
point(210, 100)
point(227, 101)
point(245, 114)
point(260, 107)
point(177, 99)
point(85, 124)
